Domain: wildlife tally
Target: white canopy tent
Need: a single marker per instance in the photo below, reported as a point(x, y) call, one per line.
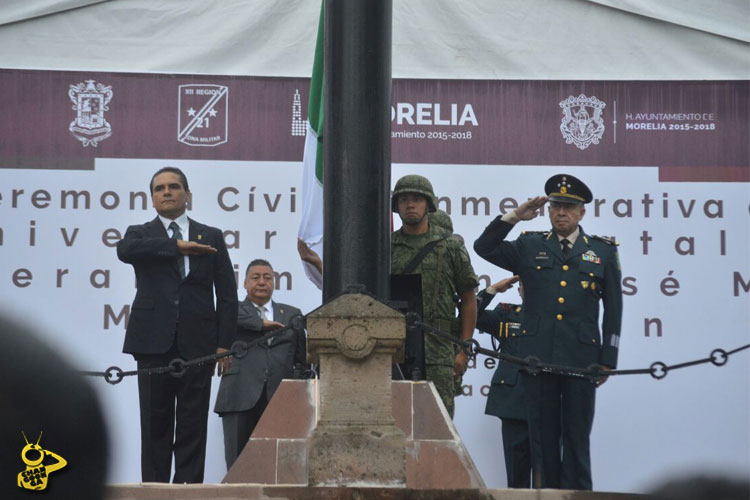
point(478, 39)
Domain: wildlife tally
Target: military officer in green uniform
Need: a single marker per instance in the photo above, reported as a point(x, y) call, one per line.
point(506, 397)
point(565, 273)
point(445, 270)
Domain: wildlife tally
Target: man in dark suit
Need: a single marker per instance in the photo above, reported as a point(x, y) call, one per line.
point(565, 273)
point(248, 386)
point(506, 398)
point(178, 264)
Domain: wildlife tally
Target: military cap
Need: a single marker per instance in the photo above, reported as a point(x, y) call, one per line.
point(415, 184)
point(564, 188)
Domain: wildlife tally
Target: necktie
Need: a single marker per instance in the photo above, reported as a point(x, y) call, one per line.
point(565, 248)
point(177, 235)
point(262, 311)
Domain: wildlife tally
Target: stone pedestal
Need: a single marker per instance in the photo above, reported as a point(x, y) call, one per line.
point(277, 451)
point(354, 427)
point(355, 339)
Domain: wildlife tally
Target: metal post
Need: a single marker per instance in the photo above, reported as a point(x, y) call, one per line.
point(357, 146)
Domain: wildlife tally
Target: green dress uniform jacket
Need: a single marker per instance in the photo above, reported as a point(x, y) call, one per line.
point(506, 397)
point(561, 306)
point(560, 326)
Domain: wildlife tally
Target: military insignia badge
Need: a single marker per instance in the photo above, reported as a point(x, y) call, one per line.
point(590, 256)
point(582, 123)
point(90, 101)
point(564, 185)
point(203, 114)
point(585, 284)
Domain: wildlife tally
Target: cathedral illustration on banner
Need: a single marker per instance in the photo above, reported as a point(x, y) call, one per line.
point(298, 125)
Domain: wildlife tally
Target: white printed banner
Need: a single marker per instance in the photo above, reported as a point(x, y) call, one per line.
point(669, 177)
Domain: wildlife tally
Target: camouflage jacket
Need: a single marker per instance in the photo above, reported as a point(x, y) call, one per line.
point(445, 271)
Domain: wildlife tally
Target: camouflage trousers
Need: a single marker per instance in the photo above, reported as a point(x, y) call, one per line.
point(442, 377)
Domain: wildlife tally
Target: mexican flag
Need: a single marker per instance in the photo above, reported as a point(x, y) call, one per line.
point(311, 226)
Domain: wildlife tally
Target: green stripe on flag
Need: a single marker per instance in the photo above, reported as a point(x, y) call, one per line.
point(315, 103)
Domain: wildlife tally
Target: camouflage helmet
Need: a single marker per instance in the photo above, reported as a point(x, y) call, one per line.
point(414, 184)
point(441, 219)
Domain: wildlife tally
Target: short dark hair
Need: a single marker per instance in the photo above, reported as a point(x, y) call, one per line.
point(173, 170)
point(258, 262)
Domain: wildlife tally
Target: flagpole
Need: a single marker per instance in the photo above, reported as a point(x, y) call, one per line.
point(357, 146)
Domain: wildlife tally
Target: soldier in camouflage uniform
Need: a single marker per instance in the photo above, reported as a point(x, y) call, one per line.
point(441, 219)
point(446, 270)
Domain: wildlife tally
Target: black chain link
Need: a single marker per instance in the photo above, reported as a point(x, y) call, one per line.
point(532, 365)
point(178, 366)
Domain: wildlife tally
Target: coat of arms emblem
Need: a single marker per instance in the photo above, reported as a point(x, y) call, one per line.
point(582, 122)
point(90, 101)
point(203, 118)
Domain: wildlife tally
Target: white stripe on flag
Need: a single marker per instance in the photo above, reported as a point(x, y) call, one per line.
point(311, 226)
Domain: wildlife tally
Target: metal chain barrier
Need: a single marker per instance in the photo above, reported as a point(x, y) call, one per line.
point(178, 366)
point(533, 365)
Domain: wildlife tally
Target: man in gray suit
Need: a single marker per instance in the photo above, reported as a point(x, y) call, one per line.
point(247, 387)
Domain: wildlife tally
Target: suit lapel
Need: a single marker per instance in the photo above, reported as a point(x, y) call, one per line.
point(156, 228)
point(251, 308)
point(279, 311)
point(553, 245)
point(580, 246)
point(278, 315)
point(197, 235)
point(196, 231)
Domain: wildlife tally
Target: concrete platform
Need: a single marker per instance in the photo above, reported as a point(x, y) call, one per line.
point(274, 463)
point(154, 491)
